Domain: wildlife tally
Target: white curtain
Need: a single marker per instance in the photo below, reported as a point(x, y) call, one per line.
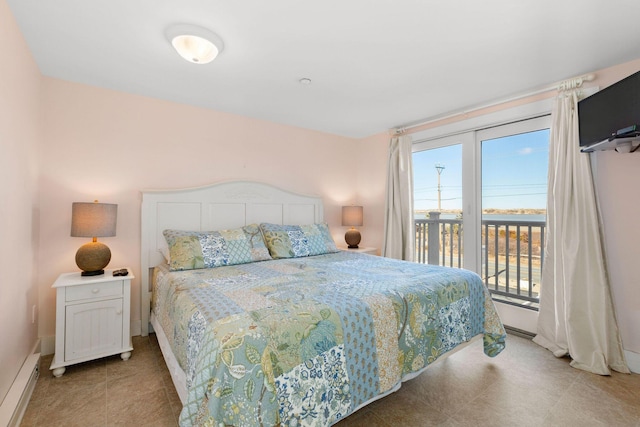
point(399, 229)
point(576, 316)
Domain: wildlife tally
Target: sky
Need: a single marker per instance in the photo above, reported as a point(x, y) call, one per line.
point(514, 174)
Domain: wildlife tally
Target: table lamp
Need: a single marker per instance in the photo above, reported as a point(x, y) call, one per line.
point(93, 220)
point(352, 216)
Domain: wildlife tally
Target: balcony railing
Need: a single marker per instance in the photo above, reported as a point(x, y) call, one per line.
point(512, 254)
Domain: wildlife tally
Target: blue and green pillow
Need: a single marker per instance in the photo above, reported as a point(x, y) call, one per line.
point(293, 241)
point(191, 250)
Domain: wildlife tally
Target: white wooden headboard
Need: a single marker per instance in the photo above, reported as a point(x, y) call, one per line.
point(215, 207)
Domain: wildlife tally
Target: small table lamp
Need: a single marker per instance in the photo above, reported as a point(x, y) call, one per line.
point(93, 220)
point(352, 216)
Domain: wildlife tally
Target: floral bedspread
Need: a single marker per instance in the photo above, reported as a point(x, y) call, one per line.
point(306, 341)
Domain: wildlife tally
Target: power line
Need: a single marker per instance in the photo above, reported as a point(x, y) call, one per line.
point(483, 187)
point(484, 197)
point(515, 185)
point(514, 195)
point(435, 200)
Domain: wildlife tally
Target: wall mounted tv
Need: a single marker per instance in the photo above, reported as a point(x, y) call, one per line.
point(610, 114)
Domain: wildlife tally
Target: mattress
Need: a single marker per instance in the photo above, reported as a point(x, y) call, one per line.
point(307, 341)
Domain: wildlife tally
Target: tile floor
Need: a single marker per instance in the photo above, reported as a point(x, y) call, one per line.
point(524, 386)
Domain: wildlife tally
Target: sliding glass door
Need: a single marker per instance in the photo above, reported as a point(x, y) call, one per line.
point(443, 176)
point(480, 204)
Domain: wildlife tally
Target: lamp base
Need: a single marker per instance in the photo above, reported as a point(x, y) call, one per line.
point(352, 237)
point(92, 273)
point(92, 258)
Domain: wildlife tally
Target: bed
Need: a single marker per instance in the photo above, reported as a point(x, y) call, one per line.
point(304, 339)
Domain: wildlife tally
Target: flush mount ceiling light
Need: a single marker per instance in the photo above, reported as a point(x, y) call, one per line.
point(195, 44)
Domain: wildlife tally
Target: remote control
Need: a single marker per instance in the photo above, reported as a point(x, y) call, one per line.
point(121, 272)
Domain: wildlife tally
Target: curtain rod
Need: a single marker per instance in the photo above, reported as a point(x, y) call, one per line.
point(572, 83)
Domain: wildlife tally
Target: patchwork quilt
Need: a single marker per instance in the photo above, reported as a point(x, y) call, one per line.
point(307, 341)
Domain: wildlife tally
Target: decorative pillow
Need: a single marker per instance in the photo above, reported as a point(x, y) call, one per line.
point(190, 250)
point(293, 241)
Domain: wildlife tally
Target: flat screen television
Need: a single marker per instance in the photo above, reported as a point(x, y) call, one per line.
point(613, 109)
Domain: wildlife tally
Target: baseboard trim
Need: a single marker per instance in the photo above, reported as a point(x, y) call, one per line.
point(633, 361)
point(15, 402)
point(48, 345)
point(136, 327)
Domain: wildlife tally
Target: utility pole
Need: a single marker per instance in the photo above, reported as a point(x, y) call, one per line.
point(439, 168)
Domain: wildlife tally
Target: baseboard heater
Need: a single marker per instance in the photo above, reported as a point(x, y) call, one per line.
point(16, 401)
point(519, 332)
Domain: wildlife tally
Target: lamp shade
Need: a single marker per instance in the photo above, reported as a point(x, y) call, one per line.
point(352, 216)
point(93, 219)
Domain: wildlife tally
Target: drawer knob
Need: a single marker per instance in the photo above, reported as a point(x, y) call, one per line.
point(95, 290)
point(119, 312)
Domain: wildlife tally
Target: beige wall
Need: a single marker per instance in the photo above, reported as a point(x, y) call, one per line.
point(19, 133)
point(107, 145)
point(617, 178)
point(370, 162)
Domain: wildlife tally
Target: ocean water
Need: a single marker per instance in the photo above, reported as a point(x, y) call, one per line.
point(498, 217)
point(522, 217)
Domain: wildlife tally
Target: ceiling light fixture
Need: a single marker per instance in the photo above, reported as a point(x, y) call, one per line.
point(195, 44)
point(305, 81)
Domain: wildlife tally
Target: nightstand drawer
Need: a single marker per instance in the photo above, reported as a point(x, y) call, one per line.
point(94, 291)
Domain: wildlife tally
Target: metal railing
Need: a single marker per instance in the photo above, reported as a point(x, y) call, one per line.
point(439, 241)
point(512, 254)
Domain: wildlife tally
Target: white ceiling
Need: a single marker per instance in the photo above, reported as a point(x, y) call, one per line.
point(374, 64)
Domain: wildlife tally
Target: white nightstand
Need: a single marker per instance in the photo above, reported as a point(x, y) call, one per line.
point(92, 318)
point(361, 249)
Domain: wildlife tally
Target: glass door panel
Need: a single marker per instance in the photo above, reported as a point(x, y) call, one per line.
point(438, 202)
point(514, 167)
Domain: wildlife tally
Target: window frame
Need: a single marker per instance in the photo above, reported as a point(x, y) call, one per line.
point(470, 133)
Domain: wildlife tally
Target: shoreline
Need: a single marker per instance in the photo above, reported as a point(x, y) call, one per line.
point(488, 211)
